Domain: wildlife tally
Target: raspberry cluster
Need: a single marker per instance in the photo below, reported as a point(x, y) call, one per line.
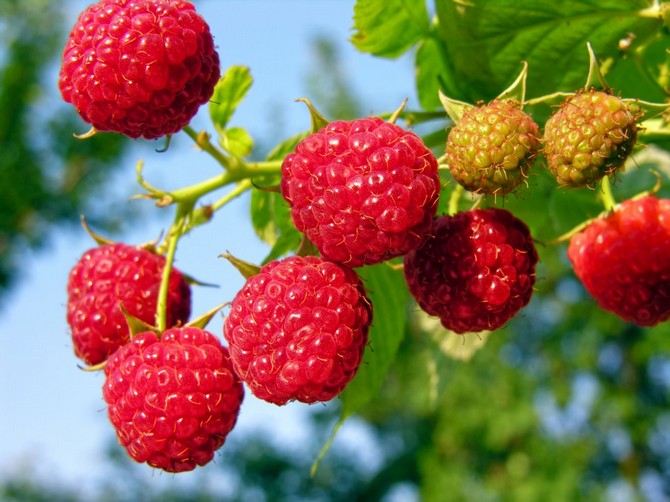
point(112, 276)
point(174, 399)
point(139, 67)
point(362, 191)
point(623, 260)
point(476, 271)
point(492, 147)
point(297, 330)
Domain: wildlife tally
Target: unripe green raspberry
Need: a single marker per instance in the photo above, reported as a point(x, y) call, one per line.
point(492, 147)
point(590, 136)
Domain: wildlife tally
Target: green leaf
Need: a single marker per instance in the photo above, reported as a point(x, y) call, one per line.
point(389, 295)
point(389, 27)
point(486, 41)
point(237, 141)
point(270, 213)
point(653, 67)
point(429, 65)
point(228, 94)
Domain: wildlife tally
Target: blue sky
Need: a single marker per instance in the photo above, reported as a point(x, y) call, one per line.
point(52, 412)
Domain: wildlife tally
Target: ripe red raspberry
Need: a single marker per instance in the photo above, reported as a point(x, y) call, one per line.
point(590, 136)
point(139, 67)
point(623, 260)
point(297, 330)
point(174, 399)
point(476, 271)
point(492, 147)
point(114, 274)
point(362, 191)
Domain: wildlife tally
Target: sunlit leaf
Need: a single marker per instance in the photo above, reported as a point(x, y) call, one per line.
point(228, 94)
point(389, 27)
point(453, 345)
point(237, 141)
point(432, 73)
point(486, 41)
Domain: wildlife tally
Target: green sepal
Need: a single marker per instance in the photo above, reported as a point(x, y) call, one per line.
point(306, 247)
point(595, 78)
point(203, 320)
point(99, 239)
point(454, 108)
point(135, 325)
point(195, 282)
point(644, 108)
point(228, 94)
point(95, 367)
point(517, 91)
point(318, 120)
point(394, 116)
point(245, 268)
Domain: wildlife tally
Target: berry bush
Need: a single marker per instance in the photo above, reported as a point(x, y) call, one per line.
point(444, 209)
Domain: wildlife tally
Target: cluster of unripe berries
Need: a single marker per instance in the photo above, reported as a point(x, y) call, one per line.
point(492, 148)
point(363, 192)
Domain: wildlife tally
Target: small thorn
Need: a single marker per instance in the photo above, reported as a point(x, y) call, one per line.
point(89, 134)
point(168, 140)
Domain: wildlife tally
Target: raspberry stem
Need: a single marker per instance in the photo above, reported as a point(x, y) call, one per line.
point(606, 194)
point(244, 171)
point(454, 199)
point(202, 140)
point(176, 231)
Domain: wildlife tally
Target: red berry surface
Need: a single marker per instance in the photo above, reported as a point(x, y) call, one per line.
point(623, 260)
point(139, 67)
point(108, 276)
point(298, 329)
point(174, 399)
point(363, 191)
point(476, 271)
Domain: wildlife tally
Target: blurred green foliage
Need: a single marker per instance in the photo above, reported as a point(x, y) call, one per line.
point(47, 177)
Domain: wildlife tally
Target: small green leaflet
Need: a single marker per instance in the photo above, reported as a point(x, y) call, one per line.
point(389, 27)
point(236, 141)
point(228, 94)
